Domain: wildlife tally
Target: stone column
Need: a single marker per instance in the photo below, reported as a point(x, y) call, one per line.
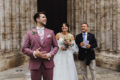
point(115, 24)
point(17, 24)
point(16, 18)
point(118, 28)
point(103, 19)
point(2, 38)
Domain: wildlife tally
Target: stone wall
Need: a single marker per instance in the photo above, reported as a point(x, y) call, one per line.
point(16, 17)
point(103, 17)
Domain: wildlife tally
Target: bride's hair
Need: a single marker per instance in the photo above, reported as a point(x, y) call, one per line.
point(66, 25)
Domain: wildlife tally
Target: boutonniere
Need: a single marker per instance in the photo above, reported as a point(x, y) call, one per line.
point(34, 32)
point(48, 36)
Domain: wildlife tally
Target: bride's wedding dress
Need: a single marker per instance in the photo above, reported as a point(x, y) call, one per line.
point(65, 68)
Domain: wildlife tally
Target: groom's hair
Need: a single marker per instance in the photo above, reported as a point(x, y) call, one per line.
point(85, 23)
point(37, 15)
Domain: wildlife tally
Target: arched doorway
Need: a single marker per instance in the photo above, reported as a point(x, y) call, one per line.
point(56, 12)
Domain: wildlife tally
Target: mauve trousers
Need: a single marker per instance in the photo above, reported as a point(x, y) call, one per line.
point(46, 73)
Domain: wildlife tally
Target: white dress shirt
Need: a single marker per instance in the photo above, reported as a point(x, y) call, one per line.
point(41, 32)
point(85, 41)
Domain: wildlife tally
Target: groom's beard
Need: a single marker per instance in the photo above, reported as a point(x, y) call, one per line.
point(43, 23)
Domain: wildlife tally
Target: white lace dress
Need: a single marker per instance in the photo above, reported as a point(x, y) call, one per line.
point(65, 68)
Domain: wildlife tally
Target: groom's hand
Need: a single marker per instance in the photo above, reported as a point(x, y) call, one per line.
point(46, 56)
point(39, 53)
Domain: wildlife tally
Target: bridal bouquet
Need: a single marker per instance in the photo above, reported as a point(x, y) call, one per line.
point(67, 41)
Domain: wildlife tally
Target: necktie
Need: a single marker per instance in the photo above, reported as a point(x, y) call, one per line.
point(84, 37)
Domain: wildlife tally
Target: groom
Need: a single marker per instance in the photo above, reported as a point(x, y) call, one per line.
point(86, 43)
point(41, 46)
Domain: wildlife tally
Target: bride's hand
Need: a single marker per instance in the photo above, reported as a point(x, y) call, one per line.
point(62, 48)
point(71, 42)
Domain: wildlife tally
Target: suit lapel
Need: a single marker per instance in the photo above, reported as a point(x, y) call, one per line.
point(81, 38)
point(37, 37)
point(88, 37)
point(45, 35)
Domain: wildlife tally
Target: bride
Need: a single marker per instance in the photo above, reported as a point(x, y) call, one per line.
point(65, 68)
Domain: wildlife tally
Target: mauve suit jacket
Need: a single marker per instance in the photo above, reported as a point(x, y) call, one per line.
point(49, 44)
